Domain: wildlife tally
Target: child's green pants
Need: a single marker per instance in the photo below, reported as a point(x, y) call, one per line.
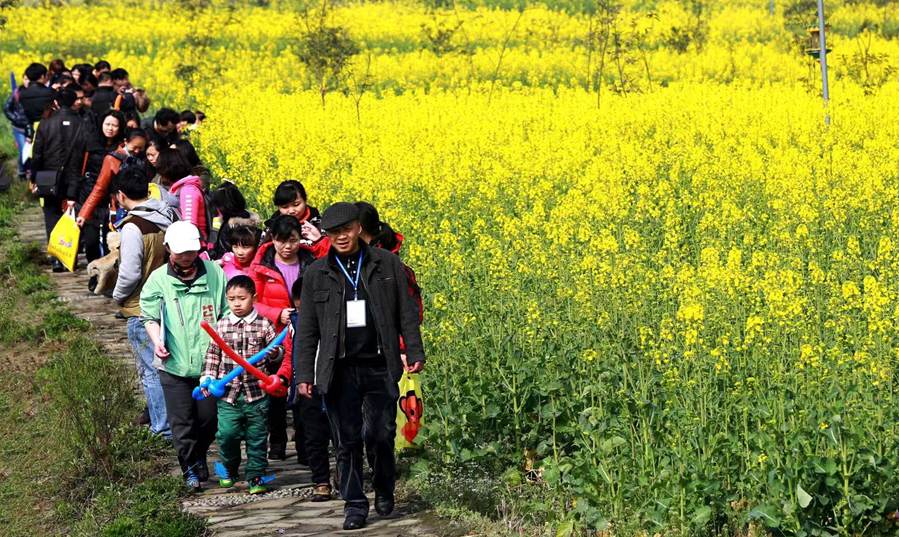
point(243, 421)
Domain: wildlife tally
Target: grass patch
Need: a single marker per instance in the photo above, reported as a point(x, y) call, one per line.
point(71, 463)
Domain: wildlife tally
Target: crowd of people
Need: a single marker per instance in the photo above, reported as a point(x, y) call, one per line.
point(191, 251)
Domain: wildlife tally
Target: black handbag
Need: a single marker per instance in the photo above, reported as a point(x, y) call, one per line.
point(48, 183)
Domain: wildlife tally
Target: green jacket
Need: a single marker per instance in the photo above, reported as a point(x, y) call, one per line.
point(167, 300)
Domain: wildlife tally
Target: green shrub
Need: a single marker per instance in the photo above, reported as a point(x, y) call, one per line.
point(91, 398)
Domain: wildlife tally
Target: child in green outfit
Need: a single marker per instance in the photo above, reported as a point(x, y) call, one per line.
point(243, 410)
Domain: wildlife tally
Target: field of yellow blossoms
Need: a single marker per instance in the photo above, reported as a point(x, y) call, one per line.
point(671, 286)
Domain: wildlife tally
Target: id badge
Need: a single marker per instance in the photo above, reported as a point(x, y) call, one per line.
point(355, 314)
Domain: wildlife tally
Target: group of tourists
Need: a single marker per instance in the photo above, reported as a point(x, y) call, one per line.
point(190, 253)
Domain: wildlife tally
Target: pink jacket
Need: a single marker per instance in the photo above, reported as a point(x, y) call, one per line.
point(192, 204)
point(232, 267)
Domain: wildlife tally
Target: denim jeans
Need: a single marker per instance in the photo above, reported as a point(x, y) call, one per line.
point(149, 376)
point(362, 408)
point(20, 145)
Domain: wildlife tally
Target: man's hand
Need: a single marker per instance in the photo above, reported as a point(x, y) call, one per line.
point(80, 221)
point(161, 351)
point(306, 390)
point(33, 188)
point(284, 318)
point(417, 367)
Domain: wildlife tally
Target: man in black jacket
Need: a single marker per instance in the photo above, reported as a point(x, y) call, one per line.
point(35, 97)
point(163, 127)
point(104, 96)
point(52, 142)
point(355, 306)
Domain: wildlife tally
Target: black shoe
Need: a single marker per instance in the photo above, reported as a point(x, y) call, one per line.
point(354, 522)
point(92, 284)
point(202, 471)
point(383, 504)
point(278, 452)
point(58, 266)
point(119, 315)
point(322, 492)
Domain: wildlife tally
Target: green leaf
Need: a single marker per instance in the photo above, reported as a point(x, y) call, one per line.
point(702, 516)
point(420, 468)
point(552, 475)
point(768, 514)
point(511, 477)
point(804, 497)
point(612, 443)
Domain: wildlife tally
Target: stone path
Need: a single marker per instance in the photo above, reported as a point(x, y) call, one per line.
point(285, 509)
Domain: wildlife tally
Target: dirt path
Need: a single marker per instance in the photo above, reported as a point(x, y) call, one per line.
point(286, 509)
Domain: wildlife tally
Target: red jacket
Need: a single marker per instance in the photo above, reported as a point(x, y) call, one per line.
point(286, 369)
point(272, 293)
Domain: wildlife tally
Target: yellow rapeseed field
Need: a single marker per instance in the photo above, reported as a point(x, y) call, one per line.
point(681, 293)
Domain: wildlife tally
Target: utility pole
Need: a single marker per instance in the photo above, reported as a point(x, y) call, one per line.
point(823, 59)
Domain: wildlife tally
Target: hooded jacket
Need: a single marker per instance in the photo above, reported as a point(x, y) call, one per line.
point(140, 251)
point(192, 202)
point(178, 309)
point(271, 289)
point(223, 241)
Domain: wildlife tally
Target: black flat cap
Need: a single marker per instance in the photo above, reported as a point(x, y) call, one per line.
point(339, 215)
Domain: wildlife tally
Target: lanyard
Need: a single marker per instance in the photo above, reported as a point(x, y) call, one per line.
point(358, 271)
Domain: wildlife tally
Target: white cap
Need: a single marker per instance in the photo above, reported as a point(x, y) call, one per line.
point(182, 237)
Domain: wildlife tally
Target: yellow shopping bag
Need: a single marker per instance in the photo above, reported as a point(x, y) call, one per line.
point(64, 240)
point(409, 412)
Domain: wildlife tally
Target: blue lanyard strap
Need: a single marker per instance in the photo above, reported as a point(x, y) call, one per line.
point(347, 274)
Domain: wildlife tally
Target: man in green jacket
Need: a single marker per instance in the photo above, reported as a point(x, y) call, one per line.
point(176, 297)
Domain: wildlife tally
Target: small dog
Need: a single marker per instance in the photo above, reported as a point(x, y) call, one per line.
point(105, 271)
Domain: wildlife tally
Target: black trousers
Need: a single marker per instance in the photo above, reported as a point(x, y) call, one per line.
point(313, 432)
point(362, 406)
point(94, 240)
point(193, 422)
point(277, 423)
point(93, 235)
point(52, 213)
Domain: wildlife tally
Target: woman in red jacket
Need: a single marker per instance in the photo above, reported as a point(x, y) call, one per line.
point(98, 197)
point(278, 265)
